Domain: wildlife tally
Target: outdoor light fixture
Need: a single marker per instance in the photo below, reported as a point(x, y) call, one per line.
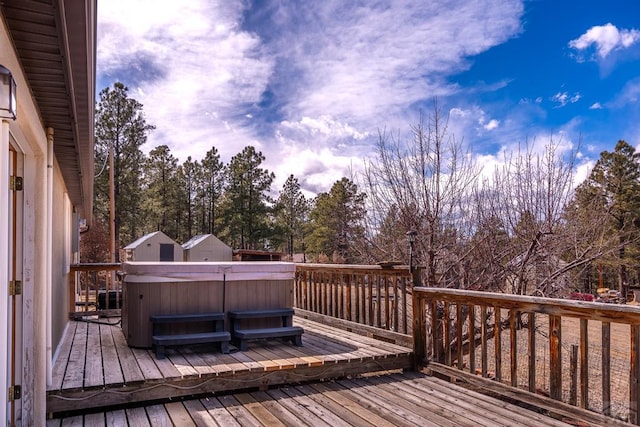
point(7, 94)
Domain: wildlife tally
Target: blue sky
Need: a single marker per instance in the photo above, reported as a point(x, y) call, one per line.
point(310, 83)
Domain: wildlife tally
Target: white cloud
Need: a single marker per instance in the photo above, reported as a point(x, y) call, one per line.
point(629, 95)
point(325, 125)
point(606, 39)
point(596, 106)
point(563, 98)
point(493, 124)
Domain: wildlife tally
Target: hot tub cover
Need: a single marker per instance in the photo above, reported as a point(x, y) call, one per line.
point(201, 271)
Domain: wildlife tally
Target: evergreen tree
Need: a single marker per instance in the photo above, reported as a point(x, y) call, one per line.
point(614, 186)
point(245, 207)
point(187, 178)
point(160, 190)
point(211, 186)
point(121, 126)
point(292, 209)
point(337, 223)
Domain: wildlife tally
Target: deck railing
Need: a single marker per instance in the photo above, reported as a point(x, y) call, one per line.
point(94, 289)
point(583, 353)
point(372, 295)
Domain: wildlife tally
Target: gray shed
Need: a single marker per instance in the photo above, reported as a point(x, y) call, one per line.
point(155, 246)
point(206, 247)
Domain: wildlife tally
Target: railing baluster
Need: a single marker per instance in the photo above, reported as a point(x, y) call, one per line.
point(483, 340)
point(387, 318)
point(606, 368)
point(514, 347)
point(555, 357)
point(497, 331)
point(573, 375)
point(379, 302)
point(472, 338)
point(348, 295)
point(532, 351)
point(337, 285)
point(584, 363)
point(446, 334)
point(459, 346)
point(435, 332)
point(372, 279)
point(396, 295)
point(405, 316)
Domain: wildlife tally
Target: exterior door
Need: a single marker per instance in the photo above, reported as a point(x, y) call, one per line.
point(15, 280)
point(166, 252)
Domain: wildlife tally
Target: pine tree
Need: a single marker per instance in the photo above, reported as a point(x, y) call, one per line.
point(245, 207)
point(187, 180)
point(121, 126)
point(614, 185)
point(160, 190)
point(211, 186)
point(337, 222)
point(292, 209)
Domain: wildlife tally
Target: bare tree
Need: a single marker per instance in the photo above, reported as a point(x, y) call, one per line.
point(420, 185)
point(546, 235)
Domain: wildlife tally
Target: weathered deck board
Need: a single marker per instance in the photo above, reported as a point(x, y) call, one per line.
point(64, 349)
point(75, 360)
point(94, 375)
point(111, 373)
point(374, 401)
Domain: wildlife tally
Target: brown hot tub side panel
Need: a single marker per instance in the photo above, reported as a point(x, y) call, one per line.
point(144, 300)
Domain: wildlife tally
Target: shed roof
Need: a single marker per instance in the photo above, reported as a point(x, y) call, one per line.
point(146, 237)
point(196, 240)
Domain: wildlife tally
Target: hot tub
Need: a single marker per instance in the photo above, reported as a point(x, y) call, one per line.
point(152, 288)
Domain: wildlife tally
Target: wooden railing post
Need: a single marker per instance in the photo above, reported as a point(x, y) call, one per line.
point(419, 332)
point(72, 292)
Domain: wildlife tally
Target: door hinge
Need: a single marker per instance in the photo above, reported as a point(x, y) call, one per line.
point(15, 392)
point(15, 287)
point(16, 183)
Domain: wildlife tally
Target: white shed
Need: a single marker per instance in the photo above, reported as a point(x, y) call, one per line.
point(155, 246)
point(206, 247)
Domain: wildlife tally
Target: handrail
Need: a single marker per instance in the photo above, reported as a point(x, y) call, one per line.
point(372, 295)
point(452, 325)
point(94, 289)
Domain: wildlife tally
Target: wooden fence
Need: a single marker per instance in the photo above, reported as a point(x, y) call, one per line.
point(367, 294)
point(94, 289)
point(471, 330)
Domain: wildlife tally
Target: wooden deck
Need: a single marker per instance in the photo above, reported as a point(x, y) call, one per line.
point(96, 369)
point(408, 399)
point(338, 378)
